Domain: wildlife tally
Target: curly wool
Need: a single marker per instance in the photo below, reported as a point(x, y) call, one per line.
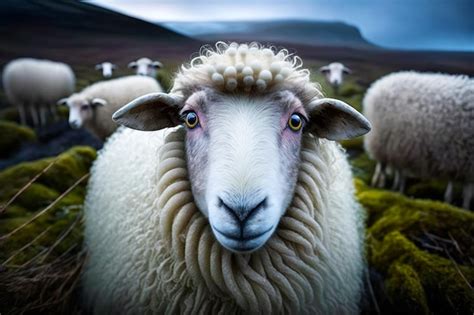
point(166, 260)
point(246, 68)
point(422, 123)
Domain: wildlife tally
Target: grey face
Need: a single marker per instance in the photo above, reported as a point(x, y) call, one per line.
point(243, 160)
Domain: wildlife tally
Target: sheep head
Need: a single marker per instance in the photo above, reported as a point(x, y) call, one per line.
point(334, 73)
point(243, 147)
point(145, 67)
point(107, 68)
point(81, 108)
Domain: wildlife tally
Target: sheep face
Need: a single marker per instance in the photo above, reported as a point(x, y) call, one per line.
point(334, 73)
point(81, 109)
point(107, 69)
point(243, 152)
point(146, 67)
point(243, 158)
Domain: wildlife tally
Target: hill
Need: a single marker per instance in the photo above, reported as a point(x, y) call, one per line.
point(78, 32)
point(315, 33)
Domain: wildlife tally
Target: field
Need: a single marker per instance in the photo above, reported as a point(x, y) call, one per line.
point(419, 249)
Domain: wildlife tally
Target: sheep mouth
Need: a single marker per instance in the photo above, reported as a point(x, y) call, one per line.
point(242, 243)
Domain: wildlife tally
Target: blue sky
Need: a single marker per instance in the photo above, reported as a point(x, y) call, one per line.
point(406, 24)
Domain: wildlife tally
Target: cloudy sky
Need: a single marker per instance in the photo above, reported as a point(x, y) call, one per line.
point(408, 24)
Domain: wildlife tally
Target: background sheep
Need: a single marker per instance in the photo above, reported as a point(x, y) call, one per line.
point(334, 73)
point(242, 232)
point(146, 66)
point(107, 68)
point(93, 107)
point(423, 125)
point(34, 85)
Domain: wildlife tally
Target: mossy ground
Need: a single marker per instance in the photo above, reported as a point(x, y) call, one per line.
point(61, 174)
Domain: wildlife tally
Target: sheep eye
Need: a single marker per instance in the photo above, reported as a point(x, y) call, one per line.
point(84, 107)
point(191, 119)
point(295, 122)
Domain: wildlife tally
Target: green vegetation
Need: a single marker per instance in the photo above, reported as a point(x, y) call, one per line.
point(61, 174)
point(12, 136)
point(422, 248)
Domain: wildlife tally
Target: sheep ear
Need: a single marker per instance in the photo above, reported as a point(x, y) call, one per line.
point(62, 102)
point(98, 66)
point(335, 120)
point(98, 102)
point(324, 69)
point(346, 70)
point(157, 64)
point(132, 64)
point(150, 112)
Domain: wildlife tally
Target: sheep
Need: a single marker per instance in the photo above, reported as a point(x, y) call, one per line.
point(334, 73)
point(93, 106)
point(107, 68)
point(423, 126)
point(146, 66)
point(237, 199)
point(35, 85)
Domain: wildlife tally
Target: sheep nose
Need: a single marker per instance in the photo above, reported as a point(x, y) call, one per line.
point(241, 212)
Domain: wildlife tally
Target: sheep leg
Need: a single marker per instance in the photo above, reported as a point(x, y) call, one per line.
point(396, 179)
point(54, 111)
point(34, 116)
point(376, 176)
point(467, 195)
point(43, 114)
point(448, 194)
point(22, 113)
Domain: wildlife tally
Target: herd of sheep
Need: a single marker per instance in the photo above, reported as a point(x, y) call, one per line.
point(156, 198)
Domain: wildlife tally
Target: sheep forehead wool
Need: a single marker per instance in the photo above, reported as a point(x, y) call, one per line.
point(246, 68)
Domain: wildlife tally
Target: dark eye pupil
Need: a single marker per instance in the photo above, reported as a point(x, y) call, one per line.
point(191, 118)
point(295, 120)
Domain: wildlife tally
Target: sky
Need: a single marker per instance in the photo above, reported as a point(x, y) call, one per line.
point(405, 24)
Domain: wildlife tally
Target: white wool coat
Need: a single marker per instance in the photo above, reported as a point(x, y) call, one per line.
point(117, 93)
point(152, 252)
point(35, 82)
point(423, 124)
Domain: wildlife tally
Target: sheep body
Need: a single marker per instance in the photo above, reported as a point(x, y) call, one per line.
point(36, 84)
point(173, 269)
point(151, 250)
point(116, 93)
point(423, 124)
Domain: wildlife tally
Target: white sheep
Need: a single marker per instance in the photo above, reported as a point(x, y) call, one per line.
point(146, 66)
point(107, 68)
point(248, 207)
point(423, 125)
point(334, 73)
point(93, 107)
point(36, 85)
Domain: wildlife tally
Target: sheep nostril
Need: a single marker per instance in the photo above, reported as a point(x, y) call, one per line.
point(242, 212)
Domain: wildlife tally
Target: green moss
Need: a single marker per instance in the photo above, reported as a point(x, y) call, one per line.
point(422, 248)
point(68, 168)
point(12, 136)
point(10, 114)
point(405, 289)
